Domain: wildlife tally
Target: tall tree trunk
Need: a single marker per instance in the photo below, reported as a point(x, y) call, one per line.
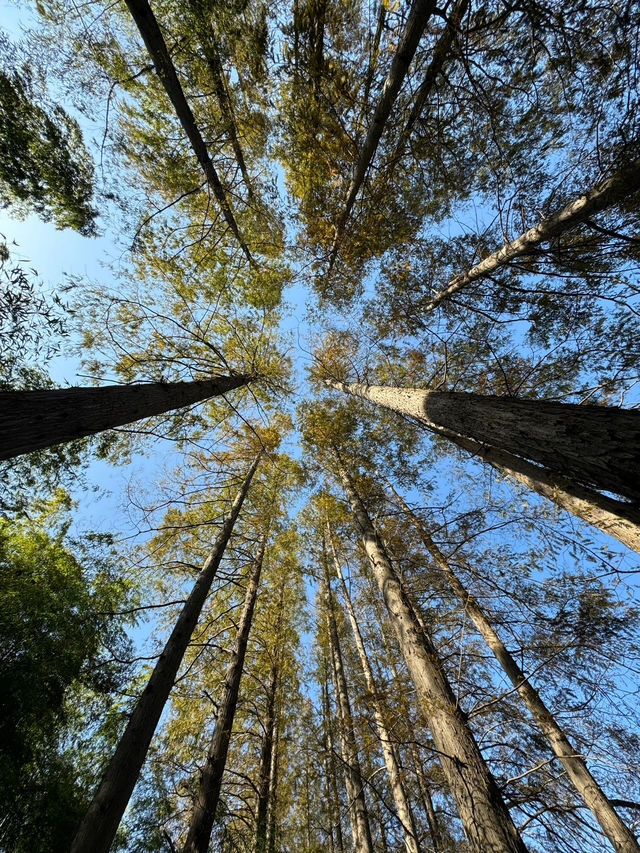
point(154, 41)
point(604, 194)
point(358, 814)
point(330, 769)
point(266, 754)
point(212, 57)
point(614, 517)
point(482, 810)
point(425, 794)
point(204, 812)
point(597, 446)
point(99, 825)
point(403, 807)
point(31, 420)
point(273, 791)
point(421, 11)
point(594, 797)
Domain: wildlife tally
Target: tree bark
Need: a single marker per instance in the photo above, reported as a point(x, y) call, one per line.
point(358, 815)
point(273, 791)
point(597, 446)
point(421, 11)
point(333, 800)
point(31, 420)
point(394, 771)
point(99, 825)
point(265, 769)
point(147, 24)
point(204, 812)
point(606, 193)
point(484, 815)
point(620, 836)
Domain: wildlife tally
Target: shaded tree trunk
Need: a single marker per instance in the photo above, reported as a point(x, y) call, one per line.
point(421, 11)
point(604, 194)
point(99, 825)
point(620, 836)
point(154, 41)
point(484, 815)
point(31, 420)
point(358, 815)
point(394, 771)
point(330, 769)
point(204, 812)
point(265, 768)
point(273, 791)
point(597, 446)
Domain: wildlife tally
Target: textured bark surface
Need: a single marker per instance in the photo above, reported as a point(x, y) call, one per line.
point(604, 194)
point(620, 836)
point(31, 420)
point(204, 810)
point(394, 771)
point(358, 815)
point(99, 825)
point(421, 11)
point(484, 815)
point(597, 446)
point(614, 517)
point(154, 41)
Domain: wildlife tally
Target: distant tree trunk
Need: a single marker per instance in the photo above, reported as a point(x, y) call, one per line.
point(435, 830)
point(596, 446)
point(266, 754)
point(333, 800)
point(620, 836)
point(394, 771)
point(358, 814)
point(31, 420)
point(99, 825)
point(604, 194)
point(273, 791)
point(152, 36)
point(484, 815)
point(204, 812)
point(421, 11)
point(614, 517)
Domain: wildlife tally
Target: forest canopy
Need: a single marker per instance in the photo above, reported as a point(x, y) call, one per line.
point(365, 366)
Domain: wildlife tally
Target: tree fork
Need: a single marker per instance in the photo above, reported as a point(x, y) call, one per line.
point(484, 815)
point(204, 812)
point(621, 837)
point(100, 824)
point(597, 446)
point(31, 420)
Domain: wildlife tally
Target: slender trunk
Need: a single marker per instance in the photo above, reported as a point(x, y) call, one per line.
point(604, 194)
point(214, 64)
point(620, 836)
point(419, 15)
point(154, 41)
point(482, 810)
point(266, 754)
point(273, 791)
point(31, 420)
point(358, 815)
point(332, 786)
point(614, 517)
point(440, 54)
point(403, 807)
point(204, 811)
point(425, 793)
point(99, 825)
point(597, 446)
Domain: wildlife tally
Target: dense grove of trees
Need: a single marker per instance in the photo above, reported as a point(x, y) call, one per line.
point(375, 332)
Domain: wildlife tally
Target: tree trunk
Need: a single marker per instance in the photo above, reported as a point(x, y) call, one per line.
point(483, 813)
point(358, 815)
point(421, 11)
point(614, 517)
point(204, 811)
point(154, 41)
point(273, 791)
point(31, 420)
point(597, 446)
point(403, 807)
point(333, 800)
point(266, 754)
point(620, 836)
point(604, 194)
point(99, 825)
